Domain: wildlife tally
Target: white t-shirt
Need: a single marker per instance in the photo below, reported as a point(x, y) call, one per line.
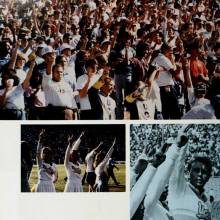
point(69, 76)
point(72, 175)
point(165, 78)
point(15, 98)
point(43, 175)
point(193, 101)
point(21, 74)
point(58, 93)
point(80, 83)
point(89, 161)
point(146, 109)
point(108, 107)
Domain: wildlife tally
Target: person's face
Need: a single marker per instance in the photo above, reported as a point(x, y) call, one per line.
point(20, 63)
point(67, 52)
point(108, 87)
point(169, 52)
point(50, 57)
point(171, 33)
point(91, 70)
point(24, 42)
point(74, 156)
point(58, 74)
point(67, 40)
point(48, 31)
point(63, 61)
point(199, 174)
point(46, 156)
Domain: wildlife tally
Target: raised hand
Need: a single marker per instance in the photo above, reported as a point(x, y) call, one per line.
point(182, 138)
point(114, 142)
point(82, 133)
point(70, 139)
point(41, 133)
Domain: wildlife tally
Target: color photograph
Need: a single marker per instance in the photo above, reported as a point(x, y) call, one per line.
point(73, 158)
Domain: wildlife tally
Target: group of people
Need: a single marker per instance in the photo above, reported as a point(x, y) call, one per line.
point(171, 165)
point(112, 59)
point(99, 167)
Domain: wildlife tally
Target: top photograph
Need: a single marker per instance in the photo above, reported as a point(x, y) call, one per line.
point(109, 59)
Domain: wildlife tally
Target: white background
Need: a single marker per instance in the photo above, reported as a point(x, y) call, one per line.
point(15, 205)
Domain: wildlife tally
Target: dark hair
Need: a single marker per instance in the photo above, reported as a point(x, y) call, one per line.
point(56, 66)
point(205, 160)
point(165, 47)
point(91, 63)
point(59, 58)
point(10, 74)
point(49, 154)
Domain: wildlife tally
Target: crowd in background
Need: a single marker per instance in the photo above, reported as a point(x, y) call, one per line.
point(56, 139)
point(111, 59)
point(204, 141)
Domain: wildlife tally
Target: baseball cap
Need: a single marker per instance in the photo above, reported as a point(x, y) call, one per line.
point(47, 49)
point(65, 46)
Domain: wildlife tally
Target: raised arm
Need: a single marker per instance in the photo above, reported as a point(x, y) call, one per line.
point(25, 84)
point(71, 146)
point(39, 147)
point(108, 155)
point(164, 171)
point(14, 56)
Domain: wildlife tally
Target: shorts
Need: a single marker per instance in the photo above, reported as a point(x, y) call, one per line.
point(90, 178)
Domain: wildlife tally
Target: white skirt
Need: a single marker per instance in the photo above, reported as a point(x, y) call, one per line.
point(73, 186)
point(45, 186)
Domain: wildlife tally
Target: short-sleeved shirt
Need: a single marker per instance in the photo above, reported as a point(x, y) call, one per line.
point(15, 98)
point(80, 83)
point(58, 93)
point(165, 77)
point(108, 107)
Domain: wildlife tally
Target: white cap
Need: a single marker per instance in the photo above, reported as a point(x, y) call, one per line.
point(47, 49)
point(43, 45)
point(65, 46)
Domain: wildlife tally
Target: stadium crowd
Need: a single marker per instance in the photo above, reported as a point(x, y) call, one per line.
point(160, 184)
point(56, 139)
point(111, 59)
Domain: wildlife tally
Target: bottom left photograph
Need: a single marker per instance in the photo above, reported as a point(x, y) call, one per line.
point(73, 158)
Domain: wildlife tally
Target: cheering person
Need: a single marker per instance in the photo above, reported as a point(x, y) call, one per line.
point(47, 174)
point(72, 166)
point(101, 184)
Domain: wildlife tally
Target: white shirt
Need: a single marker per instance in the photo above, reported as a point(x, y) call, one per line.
point(182, 201)
point(43, 175)
point(58, 93)
point(69, 75)
point(146, 109)
point(165, 78)
point(108, 107)
point(71, 174)
point(89, 161)
point(80, 83)
point(21, 74)
point(193, 101)
point(15, 98)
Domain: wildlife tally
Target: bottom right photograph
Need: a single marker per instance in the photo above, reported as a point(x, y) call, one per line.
point(175, 172)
